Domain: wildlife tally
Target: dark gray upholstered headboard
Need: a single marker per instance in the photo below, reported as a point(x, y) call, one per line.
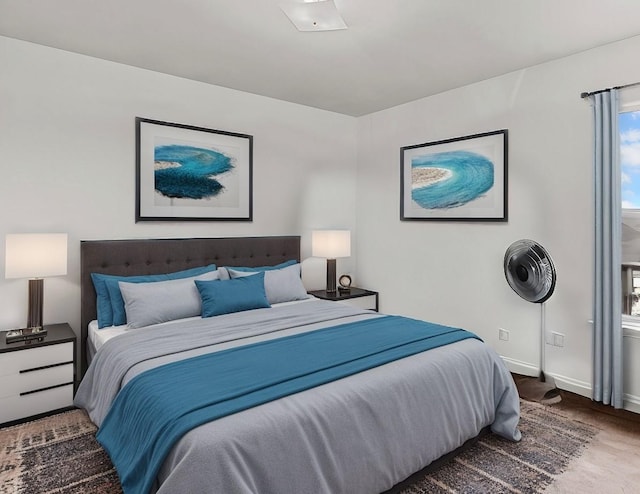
point(154, 256)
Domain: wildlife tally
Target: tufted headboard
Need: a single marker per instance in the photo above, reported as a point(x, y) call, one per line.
point(155, 256)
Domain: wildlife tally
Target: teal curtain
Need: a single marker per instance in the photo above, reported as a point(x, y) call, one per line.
point(607, 306)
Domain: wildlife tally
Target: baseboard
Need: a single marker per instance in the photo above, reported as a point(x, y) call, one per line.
point(562, 382)
point(632, 403)
point(568, 384)
point(519, 367)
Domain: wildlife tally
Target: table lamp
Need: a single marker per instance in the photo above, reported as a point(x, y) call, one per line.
point(331, 244)
point(35, 256)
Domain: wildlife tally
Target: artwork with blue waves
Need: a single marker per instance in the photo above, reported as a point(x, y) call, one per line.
point(450, 179)
point(188, 171)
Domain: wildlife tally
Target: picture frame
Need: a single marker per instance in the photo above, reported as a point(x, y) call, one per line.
point(189, 173)
point(457, 179)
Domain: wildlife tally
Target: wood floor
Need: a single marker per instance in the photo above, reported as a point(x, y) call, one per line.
point(605, 412)
point(611, 463)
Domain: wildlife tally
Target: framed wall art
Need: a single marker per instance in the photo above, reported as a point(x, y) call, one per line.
point(187, 173)
point(463, 179)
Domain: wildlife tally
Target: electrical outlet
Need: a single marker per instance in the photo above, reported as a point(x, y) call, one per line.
point(558, 339)
point(503, 334)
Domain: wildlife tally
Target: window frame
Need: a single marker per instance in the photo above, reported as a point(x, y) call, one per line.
point(630, 103)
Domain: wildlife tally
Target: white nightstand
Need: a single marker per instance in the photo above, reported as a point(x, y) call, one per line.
point(37, 377)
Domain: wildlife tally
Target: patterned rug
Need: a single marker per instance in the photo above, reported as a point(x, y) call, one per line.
point(493, 465)
point(57, 454)
point(60, 455)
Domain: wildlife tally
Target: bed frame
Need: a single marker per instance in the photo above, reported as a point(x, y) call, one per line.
point(156, 256)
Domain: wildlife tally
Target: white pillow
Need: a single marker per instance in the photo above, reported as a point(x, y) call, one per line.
point(161, 301)
point(280, 285)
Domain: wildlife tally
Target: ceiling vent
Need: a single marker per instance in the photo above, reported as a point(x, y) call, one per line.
point(319, 15)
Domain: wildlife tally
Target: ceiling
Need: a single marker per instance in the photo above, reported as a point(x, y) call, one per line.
point(394, 51)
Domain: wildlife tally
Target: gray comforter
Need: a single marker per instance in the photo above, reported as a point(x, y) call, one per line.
point(361, 434)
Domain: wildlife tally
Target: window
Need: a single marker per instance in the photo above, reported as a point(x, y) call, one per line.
point(629, 126)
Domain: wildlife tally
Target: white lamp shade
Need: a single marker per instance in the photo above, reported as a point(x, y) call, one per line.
point(331, 244)
point(35, 255)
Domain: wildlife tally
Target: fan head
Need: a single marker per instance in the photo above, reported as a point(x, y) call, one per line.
point(529, 270)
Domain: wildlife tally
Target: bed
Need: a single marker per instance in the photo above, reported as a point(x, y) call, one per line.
point(362, 431)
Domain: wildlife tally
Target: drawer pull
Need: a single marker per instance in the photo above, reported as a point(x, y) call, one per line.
point(45, 367)
point(45, 389)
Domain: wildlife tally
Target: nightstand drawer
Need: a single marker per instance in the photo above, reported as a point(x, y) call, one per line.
point(18, 407)
point(368, 302)
point(33, 358)
point(25, 382)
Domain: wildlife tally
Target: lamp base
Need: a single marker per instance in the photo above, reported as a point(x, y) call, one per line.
point(36, 298)
point(331, 276)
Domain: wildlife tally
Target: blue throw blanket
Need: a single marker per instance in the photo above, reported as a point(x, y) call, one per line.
point(156, 408)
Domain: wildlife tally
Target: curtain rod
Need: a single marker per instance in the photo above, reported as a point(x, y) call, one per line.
point(586, 95)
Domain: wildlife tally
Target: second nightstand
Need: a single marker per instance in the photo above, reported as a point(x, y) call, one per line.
point(359, 297)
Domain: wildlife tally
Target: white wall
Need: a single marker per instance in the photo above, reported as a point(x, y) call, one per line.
point(452, 272)
point(68, 161)
point(67, 148)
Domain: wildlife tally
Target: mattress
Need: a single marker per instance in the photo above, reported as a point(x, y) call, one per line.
point(98, 337)
point(360, 434)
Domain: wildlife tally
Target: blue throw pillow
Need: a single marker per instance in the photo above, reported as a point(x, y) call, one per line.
point(109, 302)
point(226, 296)
point(103, 302)
point(280, 285)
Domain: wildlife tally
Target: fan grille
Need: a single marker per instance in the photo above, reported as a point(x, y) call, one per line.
point(529, 271)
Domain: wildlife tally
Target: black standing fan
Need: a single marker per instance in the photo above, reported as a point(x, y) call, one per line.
point(531, 274)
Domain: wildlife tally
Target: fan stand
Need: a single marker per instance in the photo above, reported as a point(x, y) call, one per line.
point(543, 389)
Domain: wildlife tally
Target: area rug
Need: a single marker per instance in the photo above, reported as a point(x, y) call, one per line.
point(550, 441)
point(59, 454)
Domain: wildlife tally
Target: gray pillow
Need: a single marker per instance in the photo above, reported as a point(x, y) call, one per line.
point(161, 301)
point(280, 285)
